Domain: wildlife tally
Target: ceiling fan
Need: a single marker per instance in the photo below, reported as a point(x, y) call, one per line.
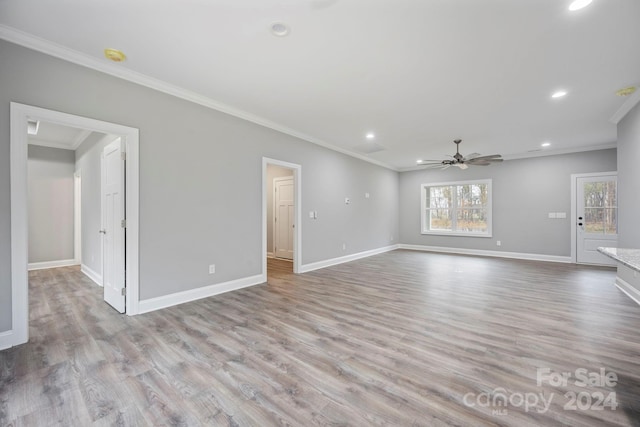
point(460, 161)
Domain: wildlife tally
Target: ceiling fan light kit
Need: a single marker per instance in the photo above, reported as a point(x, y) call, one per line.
point(461, 161)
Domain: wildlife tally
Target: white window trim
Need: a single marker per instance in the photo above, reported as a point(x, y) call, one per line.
point(424, 222)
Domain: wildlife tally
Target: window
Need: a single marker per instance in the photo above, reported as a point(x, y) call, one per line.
point(600, 207)
point(457, 208)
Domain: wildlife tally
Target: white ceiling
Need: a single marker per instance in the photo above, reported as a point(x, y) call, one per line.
point(58, 136)
point(417, 73)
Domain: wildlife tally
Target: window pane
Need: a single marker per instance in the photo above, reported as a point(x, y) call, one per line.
point(472, 220)
point(600, 194)
point(611, 221)
point(440, 219)
point(471, 195)
point(594, 220)
point(439, 197)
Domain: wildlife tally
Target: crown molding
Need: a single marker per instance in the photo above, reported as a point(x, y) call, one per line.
point(56, 50)
point(543, 153)
point(631, 102)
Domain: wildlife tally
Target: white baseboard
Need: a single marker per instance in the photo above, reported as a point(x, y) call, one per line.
point(6, 339)
point(165, 301)
point(91, 274)
point(628, 289)
point(340, 260)
point(481, 252)
point(51, 264)
point(270, 255)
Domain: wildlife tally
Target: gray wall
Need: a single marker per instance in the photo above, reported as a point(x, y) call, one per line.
point(629, 180)
point(50, 203)
point(200, 186)
point(273, 172)
point(88, 157)
point(524, 192)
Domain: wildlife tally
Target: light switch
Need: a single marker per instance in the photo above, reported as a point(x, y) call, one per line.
point(347, 200)
point(311, 215)
point(561, 215)
point(366, 195)
point(552, 215)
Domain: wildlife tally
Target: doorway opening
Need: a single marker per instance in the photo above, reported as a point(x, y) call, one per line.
point(281, 215)
point(21, 116)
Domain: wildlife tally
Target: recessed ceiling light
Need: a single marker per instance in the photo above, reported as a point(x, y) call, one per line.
point(115, 55)
point(626, 91)
point(579, 4)
point(546, 144)
point(559, 94)
point(279, 29)
point(419, 161)
point(370, 135)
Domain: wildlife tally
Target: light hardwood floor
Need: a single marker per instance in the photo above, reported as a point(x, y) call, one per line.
point(399, 339)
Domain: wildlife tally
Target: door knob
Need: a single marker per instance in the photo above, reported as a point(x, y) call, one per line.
point(103, 231)
point(580, 224)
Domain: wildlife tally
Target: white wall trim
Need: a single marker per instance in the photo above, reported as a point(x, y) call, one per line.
point(297, 237)
point(629, 290)
point(77, 216)
point(6, 340)
point(481, 252)
point(91, 274)
point(165, 301)
point(270, 255)
point(347, 258)
point(19, 114)
point(51, 264)
point(53, 49)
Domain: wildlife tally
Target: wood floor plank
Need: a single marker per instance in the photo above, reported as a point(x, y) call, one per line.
point(399, 339)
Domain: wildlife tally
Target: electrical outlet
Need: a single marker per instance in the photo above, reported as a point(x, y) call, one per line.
point(366, 195)
point(212, 268)
point(499, 243)
point(347, 200)
point(344, 246)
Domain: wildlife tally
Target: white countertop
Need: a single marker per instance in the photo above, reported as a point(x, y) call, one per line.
point(628, 257)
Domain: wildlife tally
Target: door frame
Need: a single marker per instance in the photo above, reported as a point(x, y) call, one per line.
point(297, 204)
point(275, 208)
point(77, 216)
point(19, 114)
point(574, 208)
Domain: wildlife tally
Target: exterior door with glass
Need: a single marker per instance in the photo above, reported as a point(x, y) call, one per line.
point(596, 217)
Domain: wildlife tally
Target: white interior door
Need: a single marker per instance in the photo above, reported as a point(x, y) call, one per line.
point(283, 202)
point(596, 217)
point(113, 227)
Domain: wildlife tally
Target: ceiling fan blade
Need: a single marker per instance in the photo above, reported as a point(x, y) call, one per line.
point(489, 157)
point(472, 156)
point(462, 165)
point(432, 165)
